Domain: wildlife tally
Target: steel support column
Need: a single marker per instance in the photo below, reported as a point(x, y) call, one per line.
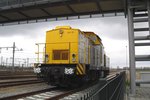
point(131, 49)
point(148, 9)
point(13, 58)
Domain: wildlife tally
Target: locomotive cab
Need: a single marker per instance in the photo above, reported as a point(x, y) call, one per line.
point(62, 46)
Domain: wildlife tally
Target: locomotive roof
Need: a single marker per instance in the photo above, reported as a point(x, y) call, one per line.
point(63, 27)
point(90, 34)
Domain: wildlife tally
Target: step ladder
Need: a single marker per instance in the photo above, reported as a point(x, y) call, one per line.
point(141, 15)
point(138, 13)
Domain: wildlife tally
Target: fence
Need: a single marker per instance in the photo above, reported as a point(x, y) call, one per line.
point(19, 62)
point(112, 90)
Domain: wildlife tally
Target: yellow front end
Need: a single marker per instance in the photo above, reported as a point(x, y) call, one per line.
point(62, 46)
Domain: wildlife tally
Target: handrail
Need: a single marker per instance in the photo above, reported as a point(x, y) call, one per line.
point(44, 52)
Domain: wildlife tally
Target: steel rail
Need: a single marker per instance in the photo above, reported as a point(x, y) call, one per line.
point(57, 97)
point(7, 73)
point(4, 85)
point(16, 81)
point(17, 76)
point(28, 94)
point(60, 93)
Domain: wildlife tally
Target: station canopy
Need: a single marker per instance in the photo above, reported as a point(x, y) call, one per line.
point(25, 11)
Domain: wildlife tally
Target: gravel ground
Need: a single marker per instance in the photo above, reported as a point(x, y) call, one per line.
point(4, 92)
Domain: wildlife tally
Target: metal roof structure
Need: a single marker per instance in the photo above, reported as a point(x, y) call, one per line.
point(25, 11)
point(31, 11)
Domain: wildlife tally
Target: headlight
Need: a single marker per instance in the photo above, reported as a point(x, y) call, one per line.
point(69, 71)
point(73, 57)
point(46, 57)
point(37, 70)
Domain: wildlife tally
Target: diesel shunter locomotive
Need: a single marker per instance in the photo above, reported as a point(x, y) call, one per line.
point(71, 57)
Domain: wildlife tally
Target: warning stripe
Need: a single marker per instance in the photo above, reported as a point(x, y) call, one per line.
point(80, 69)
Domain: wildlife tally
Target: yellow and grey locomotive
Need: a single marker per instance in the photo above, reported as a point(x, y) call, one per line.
point(72, 57)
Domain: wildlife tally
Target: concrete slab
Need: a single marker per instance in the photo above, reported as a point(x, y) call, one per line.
point(145, 76)
point(142, 93)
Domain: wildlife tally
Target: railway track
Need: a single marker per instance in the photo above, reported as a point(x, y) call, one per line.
point(17, 83)
point(20, 72)
point(53, 93)
point(16, 76)
point(30, 94)
point(58, 94)
point(9, 79)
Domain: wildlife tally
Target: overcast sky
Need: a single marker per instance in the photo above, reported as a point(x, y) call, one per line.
point(112, 30)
